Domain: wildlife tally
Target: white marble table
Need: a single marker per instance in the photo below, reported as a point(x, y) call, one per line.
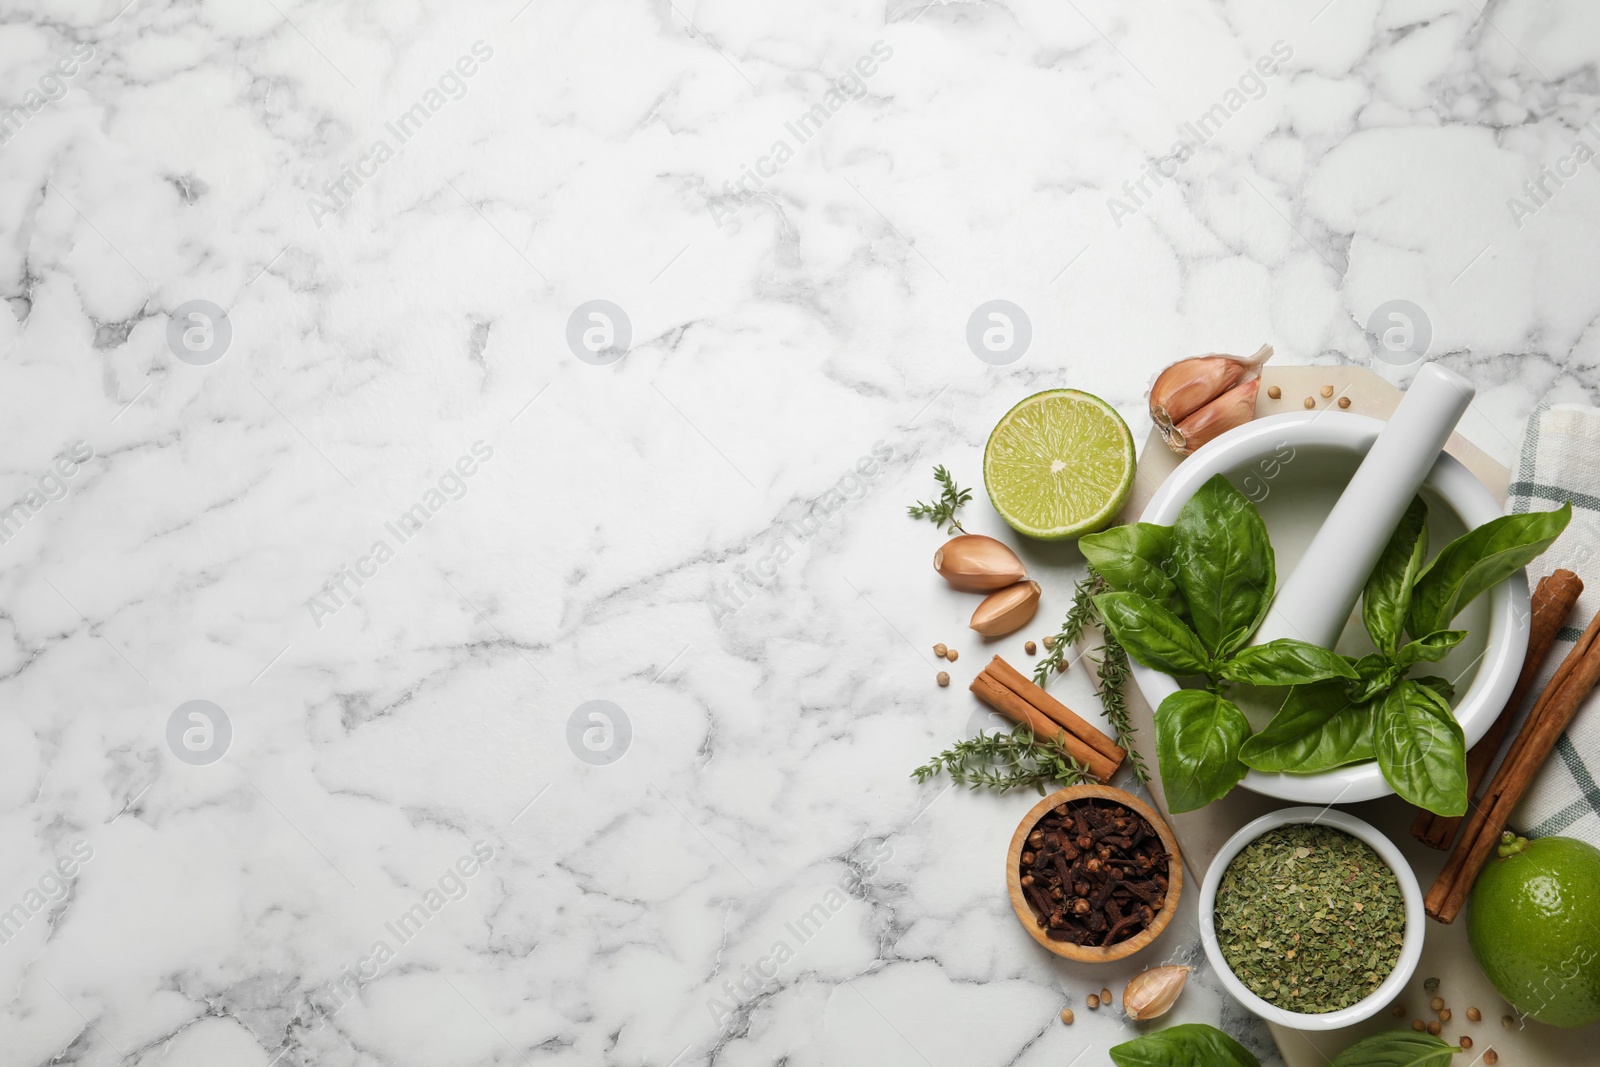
point(306, 419)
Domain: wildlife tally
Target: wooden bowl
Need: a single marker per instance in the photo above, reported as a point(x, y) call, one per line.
point(1081, 953)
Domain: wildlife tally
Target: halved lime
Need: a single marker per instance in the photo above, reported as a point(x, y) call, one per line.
point(1059, 465)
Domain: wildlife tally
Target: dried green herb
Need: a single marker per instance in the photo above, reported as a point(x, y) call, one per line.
point(1310, 918)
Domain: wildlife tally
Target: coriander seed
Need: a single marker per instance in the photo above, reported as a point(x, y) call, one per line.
point(1419, 1026)
point(1473, 1015)
point(1093, 1000)
point(952, 655)
point(1491, 1057)
point(943, 678)
point(1327, 391)
point(1049, 642)
point(1274, 392)
point(1434, 1028)
point(939, 650)
point(1507, 1021)
point(1398, 1011)
point(1436, 1003)
point(1344, 401)
point(1310, 403)
point(1105, 997)
point(1066, 1016)
point(1464, 1041)
point(1030, 648)
point(1444, 1015)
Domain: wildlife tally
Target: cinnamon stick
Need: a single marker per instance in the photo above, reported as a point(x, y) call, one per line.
point(1553, 600)
point(1550, 716)
point(1065, 717)
point(1015, 708)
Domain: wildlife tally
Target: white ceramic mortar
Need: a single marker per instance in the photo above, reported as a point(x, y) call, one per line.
point(1295, 466)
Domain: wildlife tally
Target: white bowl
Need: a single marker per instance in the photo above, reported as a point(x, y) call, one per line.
point(1410, 948)
point(1294, 495)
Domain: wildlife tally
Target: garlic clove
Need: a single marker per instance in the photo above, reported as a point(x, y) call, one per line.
point(1152, 993)
point(974, 563)
point(1188, 386)
point(1234, 408)
point(1191, 384)
point(1007, 610)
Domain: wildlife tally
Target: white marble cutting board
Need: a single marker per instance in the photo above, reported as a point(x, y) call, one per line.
point(1446, 954)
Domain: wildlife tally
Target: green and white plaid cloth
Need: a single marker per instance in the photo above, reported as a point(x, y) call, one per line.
point(1560, 461)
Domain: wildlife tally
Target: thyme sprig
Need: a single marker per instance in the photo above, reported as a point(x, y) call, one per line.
point(943, 510)
point(1006, 761)
point(1111, 670)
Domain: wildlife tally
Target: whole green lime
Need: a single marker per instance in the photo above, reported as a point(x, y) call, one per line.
point(1534, 925)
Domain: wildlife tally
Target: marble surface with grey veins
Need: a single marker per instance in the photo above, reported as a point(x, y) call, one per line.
point(457, 601)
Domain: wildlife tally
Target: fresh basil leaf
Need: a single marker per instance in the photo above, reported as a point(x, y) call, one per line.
point(1198, 734)
point(1443, 686)
point(1184, 1045)
point(1151, 634)
point(1430, 649)
point(1397, 1048)
point(1421, 749)
point(1374, 674)
point(1387, 597)
point(1476, 561)
point(1318, 728)
point(1286, 662)
point(1223, 564)
point(1135, 558)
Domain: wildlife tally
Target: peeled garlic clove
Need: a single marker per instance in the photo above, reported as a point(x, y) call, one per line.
point(1234, 408)
point(1189, 385)
point(1005, 611)
point(974, 563)
point(1153, 992)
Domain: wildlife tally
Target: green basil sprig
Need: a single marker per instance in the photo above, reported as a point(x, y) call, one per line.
point(1186, 598)
point(1477, 561)
point(1410, 728)
point(1199, 1045)
point(1215, 566)
point(1398, 1048)
point(1185, 1045)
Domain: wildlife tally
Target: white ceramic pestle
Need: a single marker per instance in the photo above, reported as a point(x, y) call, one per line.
point(1315, 601)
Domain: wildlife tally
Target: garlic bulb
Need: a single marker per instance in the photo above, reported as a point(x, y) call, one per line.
point(1196, 399)
point(974, 563)
point(1005, 611)
point(1153, 992)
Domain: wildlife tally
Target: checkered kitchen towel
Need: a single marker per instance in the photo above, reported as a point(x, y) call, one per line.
point(1561, 461)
